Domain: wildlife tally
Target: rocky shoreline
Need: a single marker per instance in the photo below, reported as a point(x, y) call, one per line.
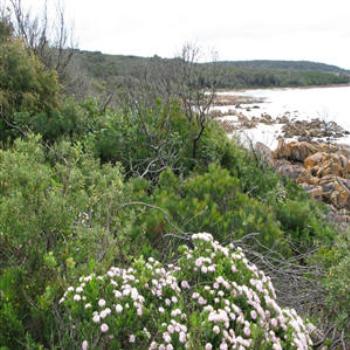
point(309, 153)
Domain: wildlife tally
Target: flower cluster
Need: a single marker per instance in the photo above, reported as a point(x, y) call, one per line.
point(212, 298)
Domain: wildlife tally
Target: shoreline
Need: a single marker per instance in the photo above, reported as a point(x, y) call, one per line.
point(309, 87)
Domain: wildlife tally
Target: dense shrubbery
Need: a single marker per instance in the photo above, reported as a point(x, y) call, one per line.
point(211, 298)
point(83, 189)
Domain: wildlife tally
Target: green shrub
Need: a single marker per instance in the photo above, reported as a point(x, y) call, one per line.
point(50, 217)
point(211, 298)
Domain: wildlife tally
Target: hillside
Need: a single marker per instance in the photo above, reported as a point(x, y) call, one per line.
point(231, 74)
point(286, 65)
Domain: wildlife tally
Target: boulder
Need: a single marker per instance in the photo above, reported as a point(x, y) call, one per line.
point(287, 169)
point(299, 151)
point(264, 154)
point(336, 191)
point(316, 192)
point(321, 164)
point(314, 128)
point(294, 150)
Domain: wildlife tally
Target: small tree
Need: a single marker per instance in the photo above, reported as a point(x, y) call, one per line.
point(54, 45)
point(195, 85)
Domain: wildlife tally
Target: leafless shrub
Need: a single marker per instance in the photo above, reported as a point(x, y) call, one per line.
point(51, 39)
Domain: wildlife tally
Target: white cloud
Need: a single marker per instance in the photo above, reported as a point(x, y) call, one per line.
point(315, 30)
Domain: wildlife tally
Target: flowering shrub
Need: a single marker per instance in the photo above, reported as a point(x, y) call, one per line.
point(212, 298)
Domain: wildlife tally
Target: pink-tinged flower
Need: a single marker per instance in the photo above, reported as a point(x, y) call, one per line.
point(274, 322)
point(201, 301)
point(101, 303)
point(171, 329)
point(185, 285)
point(223, 346)
point(246, 331)
point(208, 346)
point(253, 314)
point(169, 347)
point(199, 262)
point(211, 268)
point(167, 337)
point(104, 328)
point(85, 345)
point(182, 337)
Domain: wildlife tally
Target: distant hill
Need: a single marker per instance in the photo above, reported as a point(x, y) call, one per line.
point(104, 68)
point(285, 65)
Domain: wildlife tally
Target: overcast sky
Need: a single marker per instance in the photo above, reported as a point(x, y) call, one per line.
point(316, 30)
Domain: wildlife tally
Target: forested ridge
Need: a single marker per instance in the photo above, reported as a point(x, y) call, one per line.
point(231, 74)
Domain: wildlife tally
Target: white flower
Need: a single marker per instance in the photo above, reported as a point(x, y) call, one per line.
point(85, 345)
point(77, 297)
point(88, 306)
point(216, 329)
point(101, 303)
point(118, 308)
point(132, 338)
point(104, 328)
point(195, 295)
point(96, 319)
point(208, 346)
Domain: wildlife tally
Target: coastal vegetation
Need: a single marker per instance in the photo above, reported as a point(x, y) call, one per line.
point(100, 209)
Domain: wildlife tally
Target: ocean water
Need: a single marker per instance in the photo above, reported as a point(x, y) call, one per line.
point(326, 103)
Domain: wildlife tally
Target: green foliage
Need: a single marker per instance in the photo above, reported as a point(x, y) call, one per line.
point(212, 202)
point(336, 263)
point(211, 298)
point(50, 217)
point(245, 74)
point(26, 89)
point(82, 189)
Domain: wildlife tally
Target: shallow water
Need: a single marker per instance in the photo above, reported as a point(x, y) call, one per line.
point(329, 103)
point(326, 103)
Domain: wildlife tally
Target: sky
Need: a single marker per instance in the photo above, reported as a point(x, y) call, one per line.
point(315, 30)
